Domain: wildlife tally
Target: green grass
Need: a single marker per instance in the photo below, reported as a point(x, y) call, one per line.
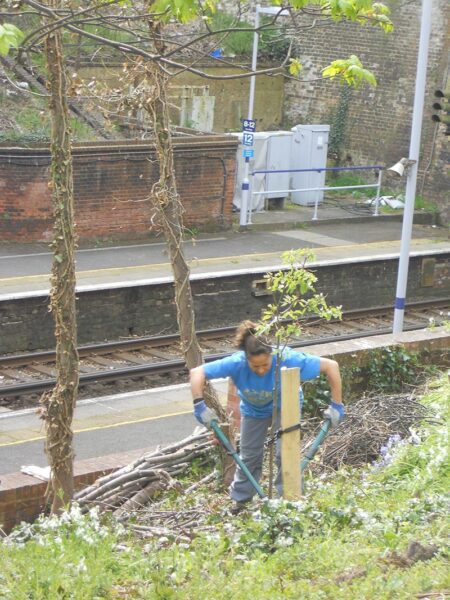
point(349, 180)
point(425, 205)
point(33, 125)
point(347, 539)
point(237, 43)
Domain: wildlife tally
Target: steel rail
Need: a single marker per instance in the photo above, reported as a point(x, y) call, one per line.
point(109, 347)
point(164, 340)
point(175, 365)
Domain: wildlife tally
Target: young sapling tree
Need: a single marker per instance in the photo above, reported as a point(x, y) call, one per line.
point(294, 300)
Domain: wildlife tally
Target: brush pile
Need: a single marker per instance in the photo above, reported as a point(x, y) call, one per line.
point(134, 485)
point(137, 488)
point(368, 425)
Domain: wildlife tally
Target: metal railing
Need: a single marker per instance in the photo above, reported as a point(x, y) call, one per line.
point(377, 168)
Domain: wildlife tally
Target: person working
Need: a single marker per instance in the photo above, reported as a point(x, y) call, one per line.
point(252, 370)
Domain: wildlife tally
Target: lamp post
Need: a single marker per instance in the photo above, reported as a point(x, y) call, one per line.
point(411, 172)
point(246, 209)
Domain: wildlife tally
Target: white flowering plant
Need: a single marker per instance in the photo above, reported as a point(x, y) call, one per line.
point(86, 528)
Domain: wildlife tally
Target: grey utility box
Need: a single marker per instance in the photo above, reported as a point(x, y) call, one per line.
point(308, 151)
point(272, 153)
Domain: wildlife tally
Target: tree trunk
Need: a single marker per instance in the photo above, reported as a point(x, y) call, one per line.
point(58, 406)
point(167, 202)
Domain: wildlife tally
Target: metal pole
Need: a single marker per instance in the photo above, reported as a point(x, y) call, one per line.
point(414, 149)
point(246, 206)
point(377, 199)
point(316, 205)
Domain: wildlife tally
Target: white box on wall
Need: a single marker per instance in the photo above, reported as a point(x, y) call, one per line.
point(308, 151)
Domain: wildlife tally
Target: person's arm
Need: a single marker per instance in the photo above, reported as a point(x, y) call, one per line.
point(203, 413)
point(197, 380)
point(330, 368)
point(336, 411)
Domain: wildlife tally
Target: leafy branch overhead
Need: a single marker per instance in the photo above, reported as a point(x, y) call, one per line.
point(360, 11)
point(350, 71)
point(183, 49)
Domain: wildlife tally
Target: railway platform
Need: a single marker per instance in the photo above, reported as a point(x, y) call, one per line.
point(117, 423)
point(342, 233)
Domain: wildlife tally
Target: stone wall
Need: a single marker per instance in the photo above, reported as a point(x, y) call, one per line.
point(112, 184)
point(230, 95)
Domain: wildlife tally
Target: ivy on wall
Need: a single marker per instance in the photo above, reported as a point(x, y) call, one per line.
point(339, 125)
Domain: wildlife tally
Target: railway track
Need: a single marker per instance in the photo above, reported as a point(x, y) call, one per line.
point(154, 361)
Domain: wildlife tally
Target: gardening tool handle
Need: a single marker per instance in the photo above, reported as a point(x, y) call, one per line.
point(311, 452)
point(226, 443)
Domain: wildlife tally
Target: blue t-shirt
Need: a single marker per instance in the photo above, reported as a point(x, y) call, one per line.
point(256, 392)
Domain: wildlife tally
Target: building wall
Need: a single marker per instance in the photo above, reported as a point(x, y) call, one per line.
point(231, 95)
point(112, 185)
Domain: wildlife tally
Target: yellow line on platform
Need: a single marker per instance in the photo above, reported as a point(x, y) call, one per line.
point(196, 262)
point(88, 429)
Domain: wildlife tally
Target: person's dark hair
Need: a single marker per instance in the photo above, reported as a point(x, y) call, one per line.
point(247, 340)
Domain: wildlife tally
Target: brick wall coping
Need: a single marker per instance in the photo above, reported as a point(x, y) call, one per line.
point(355, 350)
point(209, 142)
point(22, 497)
point(82, 468)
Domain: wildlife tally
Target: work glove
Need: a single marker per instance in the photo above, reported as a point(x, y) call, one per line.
point(203, 413)
point(335, 412)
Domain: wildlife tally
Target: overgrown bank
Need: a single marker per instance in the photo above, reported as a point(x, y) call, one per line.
point(378, 532)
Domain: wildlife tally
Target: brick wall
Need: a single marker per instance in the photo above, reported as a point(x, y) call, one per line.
point(377, 129)
point(111, 186)
point(22, 497)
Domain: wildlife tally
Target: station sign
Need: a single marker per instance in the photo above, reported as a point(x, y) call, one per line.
point(249, 125)
point(247, 139)
point(248, 153)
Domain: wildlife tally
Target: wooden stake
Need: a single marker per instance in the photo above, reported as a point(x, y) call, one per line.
point(290, 442)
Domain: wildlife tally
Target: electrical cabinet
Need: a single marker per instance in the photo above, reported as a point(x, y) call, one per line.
point(272, 150)
point(308, 151)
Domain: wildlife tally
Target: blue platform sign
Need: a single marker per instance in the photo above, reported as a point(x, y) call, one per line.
point(247, 139)
point(248, 153)
point(249, 125)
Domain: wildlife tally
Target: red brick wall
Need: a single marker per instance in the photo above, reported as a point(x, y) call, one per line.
point(22, 497)
point(112, 184)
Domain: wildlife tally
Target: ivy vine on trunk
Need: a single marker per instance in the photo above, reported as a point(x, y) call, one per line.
point(167, 203)
point(58, 406)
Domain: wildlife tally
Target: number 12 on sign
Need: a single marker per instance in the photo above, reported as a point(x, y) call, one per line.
point(247, 139)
